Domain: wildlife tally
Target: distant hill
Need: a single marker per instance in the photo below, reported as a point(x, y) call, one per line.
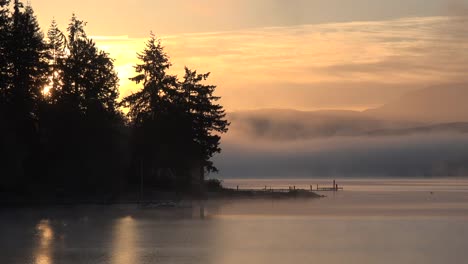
point(433, 105)
point(286, 124)
point(430, 110)
point(460, 127)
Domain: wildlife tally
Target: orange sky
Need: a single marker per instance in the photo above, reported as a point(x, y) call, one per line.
point(278, 60)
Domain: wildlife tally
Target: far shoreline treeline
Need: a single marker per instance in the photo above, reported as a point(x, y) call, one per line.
point(62, 127)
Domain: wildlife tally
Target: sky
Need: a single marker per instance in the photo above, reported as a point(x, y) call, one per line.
point(303, 54)
point(307, 55)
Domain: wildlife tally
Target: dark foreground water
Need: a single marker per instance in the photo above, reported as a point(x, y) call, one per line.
point(371, 221)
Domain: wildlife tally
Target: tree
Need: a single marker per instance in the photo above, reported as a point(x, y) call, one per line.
point(24, 74)
point(159, 88)
point(5, 22)
point(7, 164)
point(84, 120)
point(176, 124)
point(90, 82)
point(57, 49)
point(149, 108)
point(208, 119)
point(29, 62)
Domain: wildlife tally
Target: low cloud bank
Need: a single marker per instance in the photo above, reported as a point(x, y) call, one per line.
point(394, 156)
point(288, 143)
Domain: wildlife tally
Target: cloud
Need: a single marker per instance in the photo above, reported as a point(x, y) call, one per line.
point(109, 38)
point(280, 66)
point(415, 113)
point(287, 143)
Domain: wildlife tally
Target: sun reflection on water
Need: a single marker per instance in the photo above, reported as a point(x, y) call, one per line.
point(124, 244)
point(45, 233)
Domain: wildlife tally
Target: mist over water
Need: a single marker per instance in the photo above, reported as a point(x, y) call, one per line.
point(370, 221)
point(418, 155)
point(423, 133)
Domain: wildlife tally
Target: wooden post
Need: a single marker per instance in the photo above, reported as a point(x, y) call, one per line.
point(237, 187)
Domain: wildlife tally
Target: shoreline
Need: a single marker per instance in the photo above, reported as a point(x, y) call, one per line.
point(164, 198)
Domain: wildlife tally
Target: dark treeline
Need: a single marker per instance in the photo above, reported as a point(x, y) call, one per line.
point(63, 129)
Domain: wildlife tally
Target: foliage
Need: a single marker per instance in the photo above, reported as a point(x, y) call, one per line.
point(28, 55)
point(176, 123)
point(5, 30)
point(58, 52)
point(24, 71)
point(213, 185)
point(84, 124)
point(61, 124)
point(207, 118)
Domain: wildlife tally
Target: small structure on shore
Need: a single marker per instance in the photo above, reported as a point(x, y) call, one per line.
point(291, 189)
point(334, 187)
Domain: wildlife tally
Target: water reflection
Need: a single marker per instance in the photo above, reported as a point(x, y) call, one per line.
point(124, 249)
point(358, 225)
point(45, 235)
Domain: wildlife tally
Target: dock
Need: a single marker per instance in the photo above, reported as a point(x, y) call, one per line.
point(329, 189)
point(333, 188)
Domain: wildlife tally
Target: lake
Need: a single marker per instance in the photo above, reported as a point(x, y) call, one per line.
point(370, 221)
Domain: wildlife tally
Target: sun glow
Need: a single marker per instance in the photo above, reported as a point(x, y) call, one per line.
point(46, 90)
point(311, 66)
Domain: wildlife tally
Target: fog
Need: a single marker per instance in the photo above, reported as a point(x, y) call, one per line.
point(295, 144)
point(403, 156)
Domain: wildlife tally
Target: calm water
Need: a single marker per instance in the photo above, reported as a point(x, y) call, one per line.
point(371, 221)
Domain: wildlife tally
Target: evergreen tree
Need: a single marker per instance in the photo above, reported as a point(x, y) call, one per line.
point(57, 49)
point(5, 22)
point(149, 108)
point(159, 88)
point(24, 74)
point(89, 80)
point(29, 62)
point(7, 163)
point(208, 119)
point(176, 124)
point(85, 121)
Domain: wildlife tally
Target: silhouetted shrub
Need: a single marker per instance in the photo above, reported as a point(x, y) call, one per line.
point(213, 185)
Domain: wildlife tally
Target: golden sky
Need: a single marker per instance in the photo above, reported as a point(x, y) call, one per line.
point(271, 54)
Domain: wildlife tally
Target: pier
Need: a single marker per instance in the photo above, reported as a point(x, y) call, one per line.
point(333, 188)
